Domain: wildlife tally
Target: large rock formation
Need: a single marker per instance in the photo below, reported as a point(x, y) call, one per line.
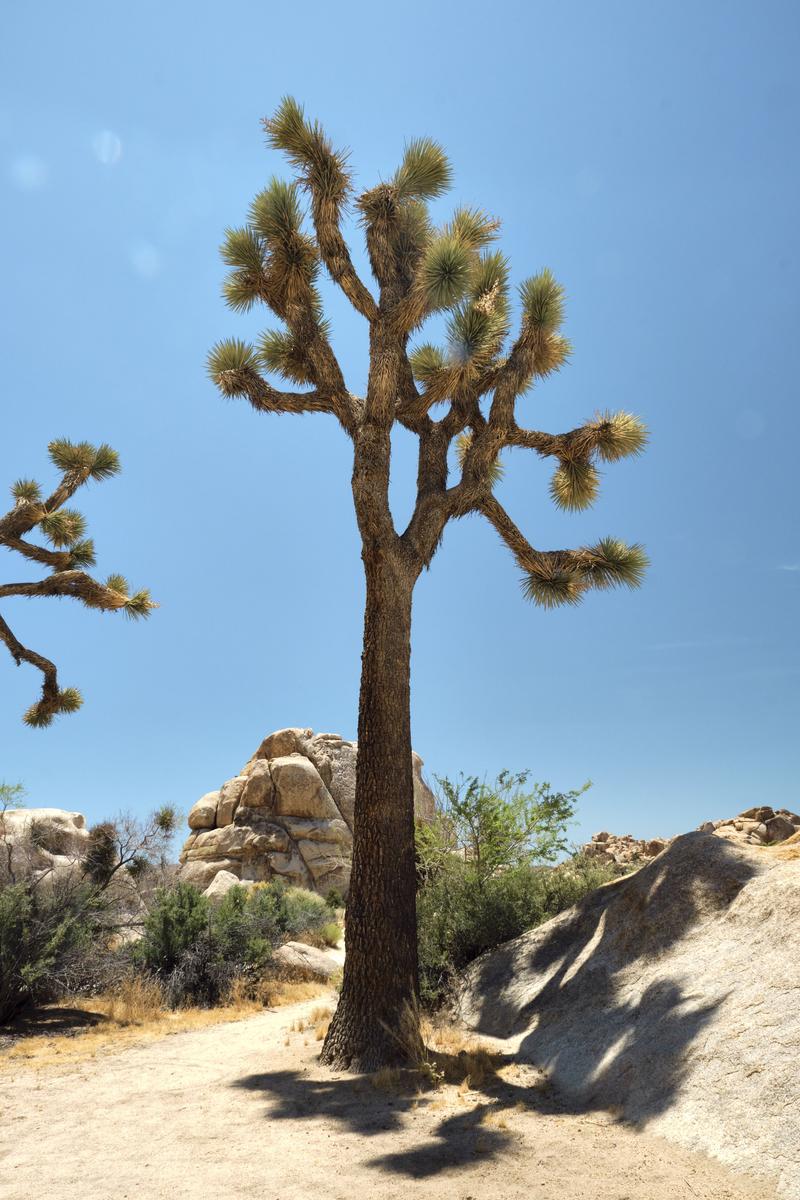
point(288, 813)
point(670, 997)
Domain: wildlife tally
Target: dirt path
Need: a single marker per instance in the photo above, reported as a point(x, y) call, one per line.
point(243, 1110)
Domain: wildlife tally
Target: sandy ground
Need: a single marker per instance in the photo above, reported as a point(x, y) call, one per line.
point(244, 1110)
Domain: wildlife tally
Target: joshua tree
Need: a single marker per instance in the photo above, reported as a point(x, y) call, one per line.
point(66, 556)
point(473, 385)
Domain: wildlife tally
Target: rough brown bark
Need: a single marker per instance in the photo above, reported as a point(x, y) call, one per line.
point(375, 1019)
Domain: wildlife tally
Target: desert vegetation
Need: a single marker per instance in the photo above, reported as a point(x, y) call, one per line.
point(108, 921)
point(487, 873)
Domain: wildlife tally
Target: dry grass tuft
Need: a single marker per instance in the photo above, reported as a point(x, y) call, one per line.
point(460, 1058)
point(137, 1001)
point(134, 1014)
point(318, 1019)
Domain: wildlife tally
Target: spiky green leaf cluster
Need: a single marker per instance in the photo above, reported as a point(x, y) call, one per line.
point(424, 173)
point(427, 361)
point(308, 149)
point(563, 577)
point(543, 302)
point(463, 442)
point(280, 351)
point(64, 527)
point(552, 586)
point(472, 227)
point(478, 327)
point(277, 217)
point(137, 605)
point(445, 272)
point(26, 491)
point(117, 583)
point(228, 362)
point(618, 435)
point(618, 564)
point(40, 715)
point(575, 485)
point(95, 462)
point(82, 554)
point(451, 268)
point(275, 213)
point(243, 250)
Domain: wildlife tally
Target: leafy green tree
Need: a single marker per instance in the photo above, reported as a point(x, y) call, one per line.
point(474, 384)
point(496, 826)
point(68, 553)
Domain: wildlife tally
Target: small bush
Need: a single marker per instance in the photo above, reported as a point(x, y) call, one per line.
point(199, 950)
point(42, 932)
point(178, 918)
point(201, 976)
point(330, 934)
point(460, 917)
point(303, 910)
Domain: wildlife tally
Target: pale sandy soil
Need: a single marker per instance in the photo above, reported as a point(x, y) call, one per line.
point(244, 1110)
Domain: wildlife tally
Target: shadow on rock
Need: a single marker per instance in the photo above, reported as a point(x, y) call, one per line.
point(606, 1022)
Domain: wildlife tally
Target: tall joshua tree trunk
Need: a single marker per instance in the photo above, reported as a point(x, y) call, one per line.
point(479, 378)
point(381, 909)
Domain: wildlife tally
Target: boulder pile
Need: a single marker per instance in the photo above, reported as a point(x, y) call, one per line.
point(759, 826)
point(288, 813)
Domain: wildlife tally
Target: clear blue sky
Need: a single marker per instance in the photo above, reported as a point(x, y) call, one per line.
point(647, 152)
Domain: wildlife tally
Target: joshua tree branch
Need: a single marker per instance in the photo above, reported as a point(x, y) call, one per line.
point(58, 559)
point(336, 256)
point(265, 398)
point(524, 553)
point(49, 703)
point(76, 584)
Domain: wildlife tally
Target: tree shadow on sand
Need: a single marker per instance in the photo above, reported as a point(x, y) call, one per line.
point(366, 1106)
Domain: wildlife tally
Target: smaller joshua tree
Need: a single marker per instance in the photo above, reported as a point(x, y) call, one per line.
point(67, 554)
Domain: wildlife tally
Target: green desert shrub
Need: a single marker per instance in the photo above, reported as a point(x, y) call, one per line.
point(45, 932)
point(304, 910)
point(179, 915)
point(482, 873)
point(460, 917)
point(197, 949)
point(330, 933)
